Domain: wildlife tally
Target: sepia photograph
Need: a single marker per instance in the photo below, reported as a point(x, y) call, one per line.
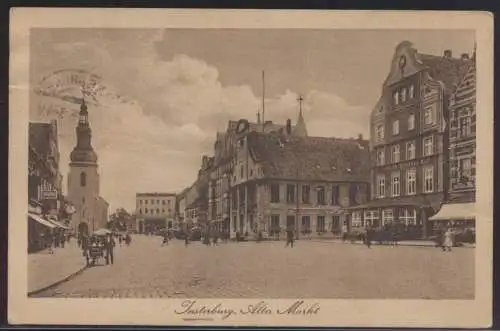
point(277, 168)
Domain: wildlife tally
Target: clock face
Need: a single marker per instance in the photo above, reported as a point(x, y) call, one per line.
point(402, 61)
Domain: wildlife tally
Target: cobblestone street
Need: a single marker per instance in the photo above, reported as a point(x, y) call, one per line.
point(268, 269)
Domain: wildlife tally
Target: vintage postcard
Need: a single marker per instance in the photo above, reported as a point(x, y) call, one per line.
point(251, 167)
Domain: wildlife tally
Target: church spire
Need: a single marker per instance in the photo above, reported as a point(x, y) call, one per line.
point(300, 128)
point(83, 151)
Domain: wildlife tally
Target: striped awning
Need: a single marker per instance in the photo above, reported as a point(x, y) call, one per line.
point(41, 220)
point(455, 211)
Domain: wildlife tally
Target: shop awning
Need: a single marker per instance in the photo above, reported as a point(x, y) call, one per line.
point(41, 220)
point(59, 224)
point(455, 211)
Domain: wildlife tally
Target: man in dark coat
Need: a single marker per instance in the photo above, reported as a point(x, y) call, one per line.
point(109, 246)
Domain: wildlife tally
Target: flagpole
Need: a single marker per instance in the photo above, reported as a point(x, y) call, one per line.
point(263, 98)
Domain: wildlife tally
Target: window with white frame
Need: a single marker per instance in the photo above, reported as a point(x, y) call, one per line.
point(465, 127)
point(395, 127)
point(465, 169)
point(428, 146)
point(387, 216)
point(396, 184)
point(395, 153)
point(410, 150)
point(408, 216)
point(356, 221)
point(411, 181)
point(428, 178)
point(411, 122)
point(429, 115)
point(403, 94)
point(380, 157)
point(379, 131)
point(412, 91)
point(396, 97)
point(380, 186)
point(370, 217)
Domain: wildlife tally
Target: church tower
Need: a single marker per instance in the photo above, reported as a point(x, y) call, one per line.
point(300, 129)
point(83, 178)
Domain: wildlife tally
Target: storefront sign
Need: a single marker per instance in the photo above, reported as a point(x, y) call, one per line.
point(49, 195)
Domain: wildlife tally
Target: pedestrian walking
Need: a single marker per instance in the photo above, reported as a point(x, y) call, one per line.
point(368, 237)
point(186, 240)
point(128, 239)
point(289, 238)
point(120, 240)
point(63, 239)
point(448, 240)
point(109, 245)
point(50, 242)
point(165, 239)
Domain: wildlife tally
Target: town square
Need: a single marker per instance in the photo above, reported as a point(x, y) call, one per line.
point(160, 167)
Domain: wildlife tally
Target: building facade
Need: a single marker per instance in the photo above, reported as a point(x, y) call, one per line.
point(45, 199)
point(225, 152)
point(409, 141)
point(460, 203)
point(285, 182)
point(84, 181)
point(155, 211)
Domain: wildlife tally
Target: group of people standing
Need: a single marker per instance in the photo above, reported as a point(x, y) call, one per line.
point(53, 239)
point(105, 245)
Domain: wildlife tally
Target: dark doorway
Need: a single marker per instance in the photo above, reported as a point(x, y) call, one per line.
point(169, 224)
point(83, 228)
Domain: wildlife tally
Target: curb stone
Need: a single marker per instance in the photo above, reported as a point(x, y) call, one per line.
point(65, 279)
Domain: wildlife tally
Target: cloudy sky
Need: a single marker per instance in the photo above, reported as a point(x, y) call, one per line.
point(169, 91)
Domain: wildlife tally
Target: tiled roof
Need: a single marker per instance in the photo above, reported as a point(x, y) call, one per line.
point(39, 137)
point(311, 158)
point(448, 70)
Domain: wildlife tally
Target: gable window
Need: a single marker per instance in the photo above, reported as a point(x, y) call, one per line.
point(275, 193)
point(290, 193)
point(410, 150)
point(411, 181)
point(412, 91)
point(395, 184)
point(428, 179)
point(395, 127)
point(380, 157)
point(380, 186)
point(465, 127)
point(395, 152)
point(428, 146)
point(429, 115)
point(379, 131)
point(411, 122)
point(83, 179)
point(306, 194)
point(403, 95)
point(321, 195)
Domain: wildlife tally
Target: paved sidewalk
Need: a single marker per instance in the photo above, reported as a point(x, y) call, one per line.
point(423, 243)
point(45, 269)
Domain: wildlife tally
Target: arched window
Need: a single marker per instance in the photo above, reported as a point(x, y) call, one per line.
point(83, 179)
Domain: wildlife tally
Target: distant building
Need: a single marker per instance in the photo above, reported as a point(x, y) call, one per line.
point(459, 206)
point(281, 181)
point(84, 182)
point(409, 142)
point(155, 211)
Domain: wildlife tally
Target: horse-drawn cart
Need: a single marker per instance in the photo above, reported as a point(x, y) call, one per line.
point(95, 253)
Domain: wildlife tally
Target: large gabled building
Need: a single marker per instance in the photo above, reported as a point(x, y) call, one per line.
point(409, 141)
point(282, 181)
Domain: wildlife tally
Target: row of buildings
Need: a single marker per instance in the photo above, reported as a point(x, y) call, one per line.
point(416, 170)
point(49, 211)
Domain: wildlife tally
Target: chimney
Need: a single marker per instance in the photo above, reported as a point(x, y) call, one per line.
point(447, 54)
point(464, 56)
point(288, 126)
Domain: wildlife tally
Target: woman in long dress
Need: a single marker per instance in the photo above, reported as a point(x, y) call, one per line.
point(448, 240)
